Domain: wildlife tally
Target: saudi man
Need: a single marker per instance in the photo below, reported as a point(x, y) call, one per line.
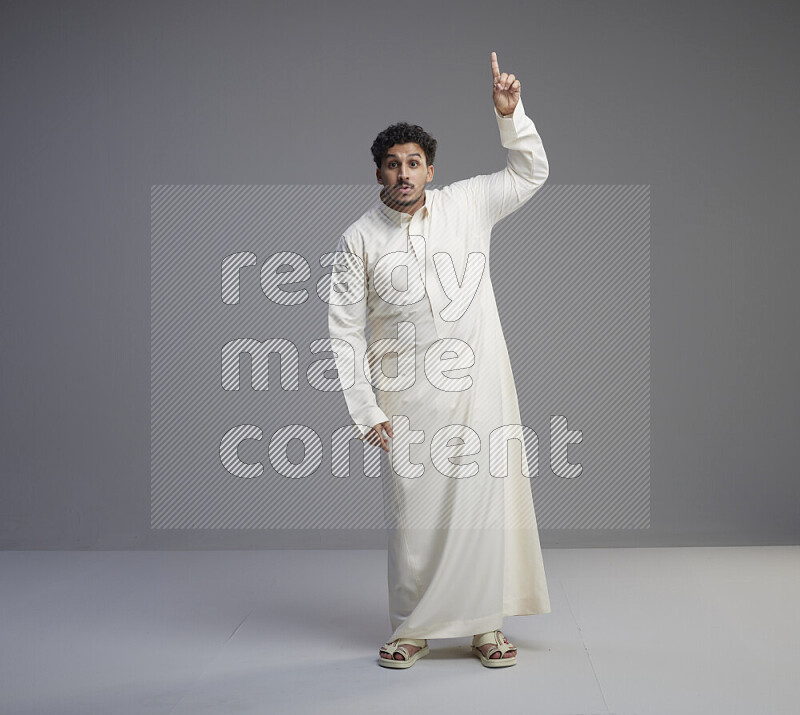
point(412, 274)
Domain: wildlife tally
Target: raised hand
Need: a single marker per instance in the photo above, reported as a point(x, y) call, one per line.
point(505, 89)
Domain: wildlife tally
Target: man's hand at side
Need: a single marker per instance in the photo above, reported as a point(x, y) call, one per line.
point(505, 89)
point(376, 435)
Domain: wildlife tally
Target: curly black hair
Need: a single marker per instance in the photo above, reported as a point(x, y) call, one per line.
point(402, 133)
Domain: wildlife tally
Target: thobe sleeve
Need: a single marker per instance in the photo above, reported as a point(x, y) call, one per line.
point(347, 314)
point(497, 195)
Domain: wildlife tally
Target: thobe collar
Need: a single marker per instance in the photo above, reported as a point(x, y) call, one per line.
point(400, 217)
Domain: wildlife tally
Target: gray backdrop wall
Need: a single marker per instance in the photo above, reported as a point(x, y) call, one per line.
point(101, 101)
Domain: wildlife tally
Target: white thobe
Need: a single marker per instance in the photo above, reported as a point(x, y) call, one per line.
point(463, 543)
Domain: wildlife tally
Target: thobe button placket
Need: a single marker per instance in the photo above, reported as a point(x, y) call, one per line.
point(416, 240)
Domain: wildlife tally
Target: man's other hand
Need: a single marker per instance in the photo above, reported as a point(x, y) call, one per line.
point(377, 437)
point(505, 89)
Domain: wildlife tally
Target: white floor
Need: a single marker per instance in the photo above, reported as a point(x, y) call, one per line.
point(632, 632)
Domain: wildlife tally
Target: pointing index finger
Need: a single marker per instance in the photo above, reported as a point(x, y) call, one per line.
point(495, 68)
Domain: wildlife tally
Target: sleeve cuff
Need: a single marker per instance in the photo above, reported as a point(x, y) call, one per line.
point(510, 117)
point(513, 125)
point(373, 416)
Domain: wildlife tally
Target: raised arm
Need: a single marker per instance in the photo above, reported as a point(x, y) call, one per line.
point(347, 305)
point(499, 194)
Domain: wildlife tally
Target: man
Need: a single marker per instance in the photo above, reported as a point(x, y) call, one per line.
point(463, 547)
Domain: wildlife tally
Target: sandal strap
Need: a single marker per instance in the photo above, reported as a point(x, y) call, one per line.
point(503, 649)
point(497, 639)
point(392, 649)
point(396, 646)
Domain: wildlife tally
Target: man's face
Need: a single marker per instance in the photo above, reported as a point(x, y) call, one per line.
point(404, 173)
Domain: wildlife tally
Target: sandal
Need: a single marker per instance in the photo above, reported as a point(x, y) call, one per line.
point(396, 646)
point(501, 645)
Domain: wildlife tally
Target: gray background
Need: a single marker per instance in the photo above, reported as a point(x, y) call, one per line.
point(101, 101)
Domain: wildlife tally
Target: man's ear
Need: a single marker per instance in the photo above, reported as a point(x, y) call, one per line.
point(430, 174)
point(378, 176)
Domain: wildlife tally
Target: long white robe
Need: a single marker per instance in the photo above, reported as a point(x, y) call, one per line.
point(463, 542)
